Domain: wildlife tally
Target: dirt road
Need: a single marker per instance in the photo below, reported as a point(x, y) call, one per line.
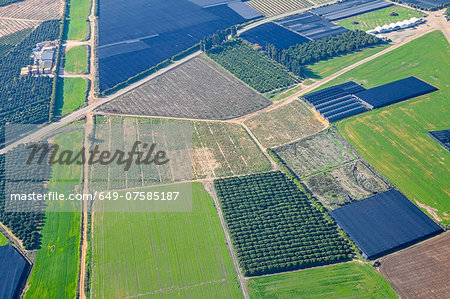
point(84, 216)
point(209, 187)
point(95, 102)
point(329, 78)
point(88, 130)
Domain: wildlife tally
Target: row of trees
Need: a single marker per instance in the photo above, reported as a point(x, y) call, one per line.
point(25, 99)
point(217, 38)
point(252, 67)
point(295, 57)
point(23, 218)
point(274, 227)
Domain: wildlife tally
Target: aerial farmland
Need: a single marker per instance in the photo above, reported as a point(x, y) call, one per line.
point(224, 149)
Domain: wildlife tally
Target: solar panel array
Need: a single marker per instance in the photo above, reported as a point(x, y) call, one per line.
point(349, 8)
point(395, 92)
point(384, 223)
point(337, 102)
point(311, 26)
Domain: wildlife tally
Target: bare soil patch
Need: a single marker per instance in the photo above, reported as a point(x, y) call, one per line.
point(420, 271)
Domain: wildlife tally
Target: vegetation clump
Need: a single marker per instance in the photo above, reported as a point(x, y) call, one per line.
point(274, 227)
point(295, 57)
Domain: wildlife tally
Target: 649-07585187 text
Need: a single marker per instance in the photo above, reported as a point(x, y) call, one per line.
point(139, 195)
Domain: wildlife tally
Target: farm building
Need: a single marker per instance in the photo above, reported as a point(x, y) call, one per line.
point(14, 269)
point(43, 59)
point(397, 26)
point(384, 223)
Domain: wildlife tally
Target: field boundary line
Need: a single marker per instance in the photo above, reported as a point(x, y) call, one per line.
point(304, 269)
point(84, 215)
point(261, 147)
point(36, 135)
point(102, 113)
point(176, 289)
point(209, 187)
point(325, 80)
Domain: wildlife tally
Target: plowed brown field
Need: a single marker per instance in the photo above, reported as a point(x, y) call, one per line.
point(420, 271)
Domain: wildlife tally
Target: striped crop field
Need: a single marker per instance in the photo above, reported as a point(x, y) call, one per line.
point(8, 26)
point(162, 254)
point(276, 7)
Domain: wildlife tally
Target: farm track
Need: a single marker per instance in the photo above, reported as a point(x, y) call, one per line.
point(261, 147)
point(321, 82)
point(84, 218)
point(88, 130)
point(96, 102)
point(436, 21)
point(208, 185)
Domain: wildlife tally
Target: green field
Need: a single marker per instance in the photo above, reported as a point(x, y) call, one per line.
point(370, 20)
point(328, 67)
point(55, 272)
point(164, 255)
point(76, 60)
point(77, 26)
point(76, 29)
point(350, 280)
point(79, 8)
point(393, 139)
point(71, 95)
point(3, 240)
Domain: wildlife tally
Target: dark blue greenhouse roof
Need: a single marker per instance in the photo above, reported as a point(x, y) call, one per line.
point(13, 270)
point(384, 223)
point(395, 92)
point(442, 137)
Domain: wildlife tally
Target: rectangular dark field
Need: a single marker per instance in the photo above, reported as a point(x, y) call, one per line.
point(311, 26)
point(158, 31)
point(337, 102)
point(395, 92)
point(349, 8)
point(14, 269)
point(442, 137)
point(274, 34)
point(384, 223)
point(426, 4)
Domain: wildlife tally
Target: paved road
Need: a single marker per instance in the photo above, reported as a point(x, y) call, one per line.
point(44, 131)
point(329, 78)
point(94, 102)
